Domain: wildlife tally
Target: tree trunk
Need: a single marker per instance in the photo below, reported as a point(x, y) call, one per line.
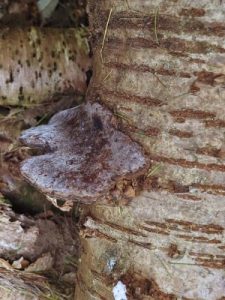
point(159, 66)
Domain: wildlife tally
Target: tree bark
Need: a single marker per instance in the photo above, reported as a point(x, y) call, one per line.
point(37, 64)
point(159, 66)
point(46, 245)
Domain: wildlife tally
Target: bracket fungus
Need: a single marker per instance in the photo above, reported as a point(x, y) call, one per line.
point(83, 154)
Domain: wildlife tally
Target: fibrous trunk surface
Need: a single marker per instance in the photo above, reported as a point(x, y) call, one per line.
point(160, 66)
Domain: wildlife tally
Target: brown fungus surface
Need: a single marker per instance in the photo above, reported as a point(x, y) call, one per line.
point(37, 64)
point(84, 154)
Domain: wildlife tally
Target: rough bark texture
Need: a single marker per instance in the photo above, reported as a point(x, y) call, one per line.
point(28, 245)
point(30, 238)
point(160, 66)
point(22, 286)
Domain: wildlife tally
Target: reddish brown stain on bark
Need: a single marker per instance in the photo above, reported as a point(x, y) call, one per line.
point(141, 244)
point(211, 188)
point(207, 77)
point(215, 123)
point(173, 251)
point(189, 226)
point(188, 22)
point(193, 12)
point(154, 230)
point(157, 224)
point(138, 287)
point(190, 197)
point(145, 69)
point(87, 233)
point(189, 164)
point(121, 96)
point(150, 131)
point(183, 226)
point(209, 260)
point(125, 229)
point(210, 151)
point(199, 239)
point(171, 44)
point(192, 114)
point(181, 134)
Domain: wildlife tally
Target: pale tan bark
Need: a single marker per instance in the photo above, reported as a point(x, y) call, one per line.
point(160, 66)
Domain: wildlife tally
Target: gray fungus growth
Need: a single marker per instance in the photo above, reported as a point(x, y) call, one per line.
point(83, 154)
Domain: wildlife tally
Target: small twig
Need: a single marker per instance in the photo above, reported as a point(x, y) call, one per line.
point(155, 24)
point(153, 170)
point(105, 33)
point(128, 5)
point(42, 119)
point(163, 84)
point(122, 116)
point(142, 133)
point(185, 264)
point(181, 95)
point(107, 76)
point(164, 265)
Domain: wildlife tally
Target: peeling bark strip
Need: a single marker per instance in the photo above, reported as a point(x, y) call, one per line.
point(85, 154)
point(36, 64)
